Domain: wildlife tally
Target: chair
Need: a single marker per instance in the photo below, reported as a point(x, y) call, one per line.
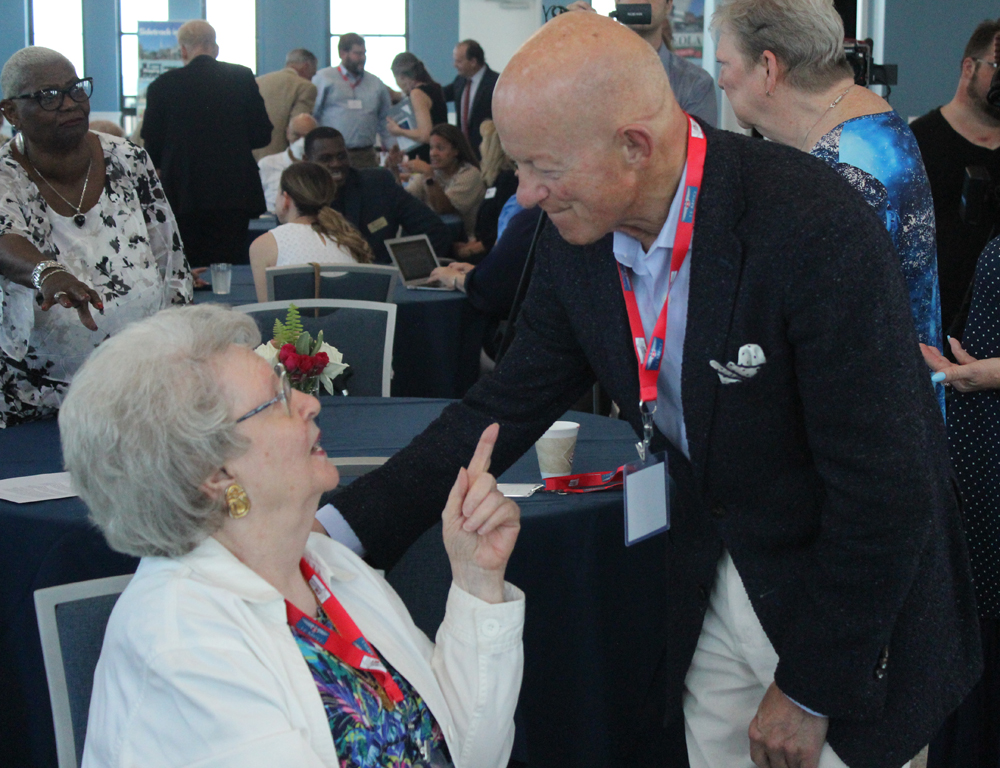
point(363, 331)
point(361, 282)
point(71, 623)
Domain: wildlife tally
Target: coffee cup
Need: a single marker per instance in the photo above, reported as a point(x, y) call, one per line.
point(555, 449)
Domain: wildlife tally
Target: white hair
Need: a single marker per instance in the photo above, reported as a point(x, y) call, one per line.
point(806, 36)
point(19, 69)
point(145, 423)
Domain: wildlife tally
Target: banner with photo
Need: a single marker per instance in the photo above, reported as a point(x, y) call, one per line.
point(688, 23)
point(158, 52)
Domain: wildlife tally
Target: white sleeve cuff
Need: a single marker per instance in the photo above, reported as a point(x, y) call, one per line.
point(800, 706)
point(338, 529)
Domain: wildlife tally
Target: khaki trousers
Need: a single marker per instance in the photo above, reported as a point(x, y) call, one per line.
point(731, 670)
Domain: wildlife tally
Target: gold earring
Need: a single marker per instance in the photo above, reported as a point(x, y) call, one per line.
point(237, 501)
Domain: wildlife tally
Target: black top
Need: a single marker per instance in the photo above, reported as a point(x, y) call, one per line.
point(489, 210)
point(974, 437)
point(946, 155)
point(492, 284)
point(201, 124)
point(439, 114)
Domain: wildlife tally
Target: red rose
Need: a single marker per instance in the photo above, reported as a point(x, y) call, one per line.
point(285, 351)
point(293, 361)
point(322, 360)
point(306, 365)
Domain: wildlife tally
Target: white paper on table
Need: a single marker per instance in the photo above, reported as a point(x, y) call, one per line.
point(21, 490)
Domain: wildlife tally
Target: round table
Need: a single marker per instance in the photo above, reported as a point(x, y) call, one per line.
point(435, 352)
point(594, 625)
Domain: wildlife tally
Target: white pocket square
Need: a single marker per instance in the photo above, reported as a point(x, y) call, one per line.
point(749, 361)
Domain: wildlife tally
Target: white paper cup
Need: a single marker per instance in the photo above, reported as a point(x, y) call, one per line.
point(222, 276)
point(555, 449)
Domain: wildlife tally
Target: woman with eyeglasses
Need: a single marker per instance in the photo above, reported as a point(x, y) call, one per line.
point(88, 243)
point(244, 639)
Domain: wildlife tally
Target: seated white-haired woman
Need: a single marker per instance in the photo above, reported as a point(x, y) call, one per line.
point(245, 640)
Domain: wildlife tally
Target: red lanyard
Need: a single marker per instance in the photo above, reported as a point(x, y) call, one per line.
point(650, 356)
point(353, 85)
point(346, 643)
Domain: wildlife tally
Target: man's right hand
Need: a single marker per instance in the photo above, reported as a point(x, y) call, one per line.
point(64, 289)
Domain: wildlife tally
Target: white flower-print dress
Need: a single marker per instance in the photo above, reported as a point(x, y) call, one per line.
point(129, 251)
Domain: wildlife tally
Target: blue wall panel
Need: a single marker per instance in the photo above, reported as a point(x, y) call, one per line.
point(433, 34)
point(299, 24)
point(14, 29)
point(100, 53)
point(926, 40)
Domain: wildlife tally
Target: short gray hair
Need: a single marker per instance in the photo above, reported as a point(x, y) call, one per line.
point(806, 36)
point(19, 69)
point(145, 423)
point(301, 56)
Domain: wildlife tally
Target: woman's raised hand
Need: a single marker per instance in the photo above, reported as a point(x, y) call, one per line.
point(480, 525)
point(64, 289)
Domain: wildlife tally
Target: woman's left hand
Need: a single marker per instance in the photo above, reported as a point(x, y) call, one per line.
point(480, 526)
point(969, 374)
point(393, 127)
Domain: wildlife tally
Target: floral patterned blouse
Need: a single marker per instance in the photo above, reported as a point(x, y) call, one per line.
point(129, 251)
point(365, 733)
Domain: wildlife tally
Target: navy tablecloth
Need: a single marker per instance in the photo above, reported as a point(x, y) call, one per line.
point(594, 625)
point(438, 337)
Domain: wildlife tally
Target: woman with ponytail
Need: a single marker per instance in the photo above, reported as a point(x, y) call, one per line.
point(310, 230)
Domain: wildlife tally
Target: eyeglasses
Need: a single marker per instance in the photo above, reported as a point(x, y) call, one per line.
point(283, 388)
point(988, 63)
point(50, 99)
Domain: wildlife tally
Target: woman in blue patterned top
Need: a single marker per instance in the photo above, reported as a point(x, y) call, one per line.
point(782, 65)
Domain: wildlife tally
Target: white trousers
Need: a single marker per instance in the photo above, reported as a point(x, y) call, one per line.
point(732, 668)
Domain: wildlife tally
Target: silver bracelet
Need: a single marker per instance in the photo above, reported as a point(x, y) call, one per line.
point(41, 268)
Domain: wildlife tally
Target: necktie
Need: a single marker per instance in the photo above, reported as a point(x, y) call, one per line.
point(465, 107)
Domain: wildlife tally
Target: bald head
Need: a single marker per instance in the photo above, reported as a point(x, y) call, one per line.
point(197, 38)
point(585, 98)
point(299, 126)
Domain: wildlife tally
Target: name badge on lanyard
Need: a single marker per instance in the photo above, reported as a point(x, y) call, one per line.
point(647, 481)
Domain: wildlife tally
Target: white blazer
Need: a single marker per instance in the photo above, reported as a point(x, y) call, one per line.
point(199, 667)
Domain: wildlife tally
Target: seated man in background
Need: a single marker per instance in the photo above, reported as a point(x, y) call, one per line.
point(372, 200)
point(272, 166)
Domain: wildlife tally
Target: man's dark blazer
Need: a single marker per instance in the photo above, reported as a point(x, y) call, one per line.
point(377, 206)
point(481, 107)
point(201, 124)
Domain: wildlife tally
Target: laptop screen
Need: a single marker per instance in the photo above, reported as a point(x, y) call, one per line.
point(414, 258)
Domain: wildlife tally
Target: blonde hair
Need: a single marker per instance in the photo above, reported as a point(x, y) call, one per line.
point(494, 158)
point(312, 189)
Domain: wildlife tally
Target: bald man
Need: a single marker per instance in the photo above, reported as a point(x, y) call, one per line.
point(272, 166)
point(820, 603)
point(201, 124)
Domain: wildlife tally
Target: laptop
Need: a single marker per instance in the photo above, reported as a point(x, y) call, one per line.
point(415, 259)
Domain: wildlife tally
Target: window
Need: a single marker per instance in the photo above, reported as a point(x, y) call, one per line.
point(235, 23)
point(58, 24)
point(384, 31)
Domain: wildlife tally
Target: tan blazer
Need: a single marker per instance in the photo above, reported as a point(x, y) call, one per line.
point(285, 96)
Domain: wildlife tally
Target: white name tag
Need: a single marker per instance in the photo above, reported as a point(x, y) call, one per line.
point(490, 193)
point(647, 498)
point(354, 104)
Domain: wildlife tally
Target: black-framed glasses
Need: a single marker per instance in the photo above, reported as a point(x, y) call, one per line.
point(988, 63)
point(50, 99)
point(283, 389)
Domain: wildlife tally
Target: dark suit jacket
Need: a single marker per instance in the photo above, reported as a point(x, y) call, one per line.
point(826, 476)
point(201, 124)
point(374, 203)
point(481, 107)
